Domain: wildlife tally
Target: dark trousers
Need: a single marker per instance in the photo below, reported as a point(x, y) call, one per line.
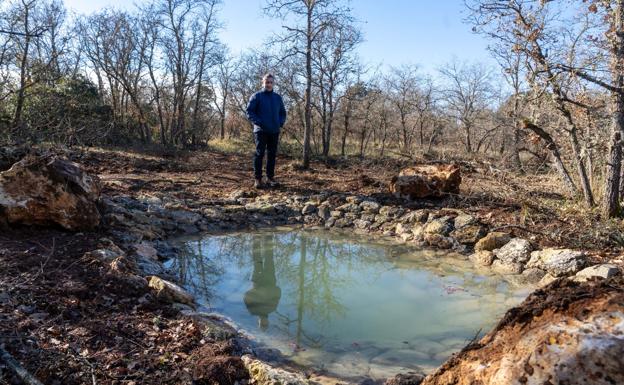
point(265, 142)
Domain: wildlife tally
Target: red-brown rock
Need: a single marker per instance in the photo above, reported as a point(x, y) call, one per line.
point(49, 190)
point(426, 181)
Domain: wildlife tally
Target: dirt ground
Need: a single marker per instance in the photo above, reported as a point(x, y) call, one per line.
point(530, 205)
point(70, 320)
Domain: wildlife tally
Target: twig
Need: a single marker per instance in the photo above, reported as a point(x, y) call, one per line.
point(473, 342)
point(518, 227)
point(22, 373)
point(89, 364)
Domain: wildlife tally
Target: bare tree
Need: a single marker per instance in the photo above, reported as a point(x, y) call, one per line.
point(402, 87)
point(333, 61)
point(310, 19)
point(468, 95)
point(221, 89)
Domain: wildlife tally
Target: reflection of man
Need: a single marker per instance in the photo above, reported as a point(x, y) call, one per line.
point(263, 297)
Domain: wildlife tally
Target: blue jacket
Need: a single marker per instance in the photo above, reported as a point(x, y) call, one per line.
point(266, 111)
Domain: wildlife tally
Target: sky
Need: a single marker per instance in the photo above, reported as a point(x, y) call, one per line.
point(423, 32)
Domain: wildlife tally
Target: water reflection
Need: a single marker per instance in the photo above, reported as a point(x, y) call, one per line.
point(343, 304)
point(264, 295)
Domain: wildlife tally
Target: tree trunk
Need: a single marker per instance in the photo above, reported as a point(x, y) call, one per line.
point(19, 103)
point(611, 200)
point(345, 132)
point(582, 170)
point(554, 151)
point(307, 130)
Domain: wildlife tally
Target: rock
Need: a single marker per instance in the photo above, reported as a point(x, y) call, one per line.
point(106, 255)
point(324, 212)
point(391, 211)
point(380, 218)
point(439, 241)
point(330, 222)
point(419, 232)
point(568, 333)
point(336, 214)
point(401, 229)
point(260, 207)
point(530, 276)
point(261, 373)
point(426, 181)
point(368, 217)
point(406, 236)
point(438, 226)
point(517, 250)
point(604, 271)
point(464, 220)
point(354, 199)
point(184, 217)
point(349, 208)
point(558, 262)
point(361, 224)
point(343, 222)
point(469, 234)
point(546, 280)
point(169, 291)
point(146, 250)
point(533, 275)
point(482, 258)
point(416, 216)
point(147, 266)
point(370, 206)
point(506, 268)
point(493, 240)
point(308, 209)
point(185, 228)
point(405, 379)
point(46, 191)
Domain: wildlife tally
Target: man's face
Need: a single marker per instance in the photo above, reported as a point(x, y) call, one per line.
point(268, 84)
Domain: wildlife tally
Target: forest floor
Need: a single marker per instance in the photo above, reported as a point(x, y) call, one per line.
point(69, 320)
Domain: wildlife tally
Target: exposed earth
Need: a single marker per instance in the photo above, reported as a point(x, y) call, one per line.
point(72, 315)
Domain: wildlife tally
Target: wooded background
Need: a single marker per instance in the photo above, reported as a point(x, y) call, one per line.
point(158, 75)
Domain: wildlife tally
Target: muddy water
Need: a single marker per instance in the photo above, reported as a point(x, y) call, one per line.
point(346, 305)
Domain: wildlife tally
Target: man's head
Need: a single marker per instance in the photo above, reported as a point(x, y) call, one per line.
point(267, 81)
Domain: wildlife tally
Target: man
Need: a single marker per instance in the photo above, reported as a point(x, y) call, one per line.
point(267, 113)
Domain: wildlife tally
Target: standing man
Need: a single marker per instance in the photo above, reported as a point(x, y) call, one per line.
point(267, 113)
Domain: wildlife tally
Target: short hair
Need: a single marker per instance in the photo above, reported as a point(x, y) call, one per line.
point(268, 75)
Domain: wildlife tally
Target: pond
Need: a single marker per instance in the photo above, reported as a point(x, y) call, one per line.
point(345, 305)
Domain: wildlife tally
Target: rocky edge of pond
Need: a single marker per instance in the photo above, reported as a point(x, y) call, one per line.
point(45, 191)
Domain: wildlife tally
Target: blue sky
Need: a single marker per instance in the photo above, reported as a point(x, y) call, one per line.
point(423, 32)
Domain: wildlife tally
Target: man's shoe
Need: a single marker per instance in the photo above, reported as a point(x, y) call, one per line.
point(258, 183)
point(271, 182)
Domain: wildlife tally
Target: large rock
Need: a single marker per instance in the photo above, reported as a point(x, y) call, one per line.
point(49, 190)
point(567, 333)
point(517, 250)
point(169, 291)
point(506, 268)
point(493, 240)
point(463, 220)
point(469, 234)
point(558, 262)
point(261, 373)
point(426, 181)
point(440, 226)
point(604, 271)
point(482, 258)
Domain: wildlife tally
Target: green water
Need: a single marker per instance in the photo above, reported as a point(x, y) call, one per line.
point(346, 305)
